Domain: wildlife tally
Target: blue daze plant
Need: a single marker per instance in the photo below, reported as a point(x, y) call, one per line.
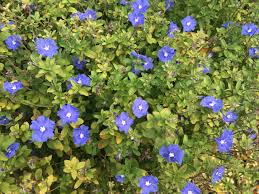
point(46, 47)
point(68, 114)
point(191, 188)
point(210, 102)
point(13, 42)
point(13, 87)
point(166, 54)
point(4, 120)
point(80, 79)
point(123, 121)
point(43, 129)
point(217, 174)
point(12, 149)
point(140, 107)
point(229, 117)
point(81, 135)
point(189, 24)
point(120, 178)
point(172, 153)
point(148, 184)
point(225, 141)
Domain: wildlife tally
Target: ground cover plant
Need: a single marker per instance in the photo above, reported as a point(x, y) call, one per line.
point(139, 96)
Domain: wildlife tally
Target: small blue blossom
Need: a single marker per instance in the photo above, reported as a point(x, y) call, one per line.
point(77, 63)
point(249, 29)
point(140, 107)
point(13, 42)
point(225, 141)
point(166, 54)
point(210, 54)
point(68, 114)
point(212, 103)
point(190, 188)
point(1, 26)
point(81, 135)
point(46, 47)
point(168, 4)
point(254, 52)
point(230, 117)
point(227, 24)
point(80, 15)
point(12, 87)
point(217, 174)
point(148, 184)
point(188, 23)
point(253, 136)
point(43, 129)
point(124, 2)
point(4, 120)
point(172, 29)
point(206, 70)
point(123, 122)
point(172, 153)
point(135, 70)
point(12, 149)
point(11, 22)
point(120, 178)
point(140, 6)
point(80, 79)
point(147, 62)
point(90, 14)
point(136, 18)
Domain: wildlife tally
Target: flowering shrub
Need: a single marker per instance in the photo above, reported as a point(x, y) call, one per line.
point(128, 96)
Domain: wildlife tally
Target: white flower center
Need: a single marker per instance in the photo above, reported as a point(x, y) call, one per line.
point(188, 23)
point(147, 183)
point(140, 107)
point(79, 81)
point(90, 16)
point(171, 154)
point(68, 115)
point(14, 42)
point(218, 173)
point(222, 142)
point(14, 87)
point(46, 47)
point(189, 192)
point(136, 20)
point(229, 116)
point(165, 54)
point(42, 129)
point(123, 122)
point(249, 30)
point(139, 6)
point(212, 103)
point(81, 135)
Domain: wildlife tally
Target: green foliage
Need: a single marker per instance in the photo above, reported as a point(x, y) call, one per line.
point(172, 90)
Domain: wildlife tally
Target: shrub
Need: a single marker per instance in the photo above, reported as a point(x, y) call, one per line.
point(113, 97)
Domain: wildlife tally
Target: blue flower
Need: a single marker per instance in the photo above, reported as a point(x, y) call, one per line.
point(1, 26)
point(254, 52)
point(172, 153)
point(172, 29)
point(168, 4)
point(206, 70)
point(120, 178)
point(136, 18)
point(212, 103)
point(12, 149)
point(140, 6)
point(46, 47)
point(81, 135)
point(148, 184)
point(253, 136)
point(90, 14)
point(80, 15)
point(227, 24)
point(13, 42)
point(80, 79)
point(140, 107)
point(166, 54)
point(123, 122)
point(190, 188)
point(4, 120)
point(217, 174)
point(225, 141)
point(43, 129)
point(68, 114)
point(230, 117)
point(249, 29)
point(123, 2)
point(135, 70)
point(147, 62)
point(77, 63)
point(188, 23)
point(12, 87)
